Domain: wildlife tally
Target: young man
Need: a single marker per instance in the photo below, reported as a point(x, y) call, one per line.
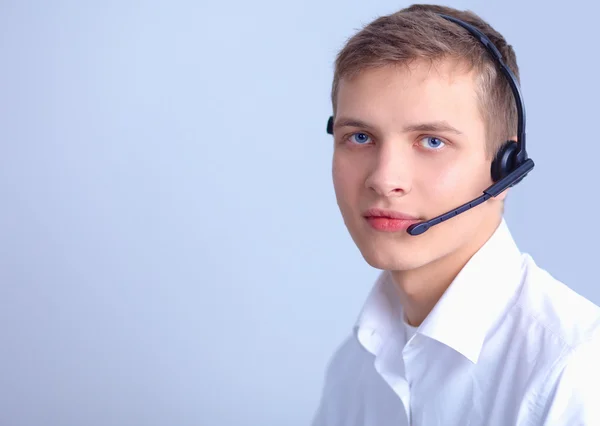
point(461, 328)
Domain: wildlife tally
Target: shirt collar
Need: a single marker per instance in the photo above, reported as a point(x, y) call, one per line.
point(466, 311)
point(381, 315)
point(477, 297)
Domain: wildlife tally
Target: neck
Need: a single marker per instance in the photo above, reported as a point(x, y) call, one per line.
point(420, 289)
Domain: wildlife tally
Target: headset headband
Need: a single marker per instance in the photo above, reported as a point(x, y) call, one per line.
point(510, 77)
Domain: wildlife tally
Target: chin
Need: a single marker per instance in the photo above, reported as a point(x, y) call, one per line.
point(392, 256)
point(397, 263)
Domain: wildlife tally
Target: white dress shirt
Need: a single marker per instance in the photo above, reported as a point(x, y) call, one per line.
point(507, 344)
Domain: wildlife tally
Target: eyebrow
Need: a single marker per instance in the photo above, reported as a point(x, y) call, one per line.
point(433, 126)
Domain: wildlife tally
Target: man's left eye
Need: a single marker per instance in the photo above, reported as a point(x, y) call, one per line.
point(431, 142)
point(360, 138)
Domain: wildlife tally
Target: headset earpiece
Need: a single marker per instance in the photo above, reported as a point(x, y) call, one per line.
point(505, 161)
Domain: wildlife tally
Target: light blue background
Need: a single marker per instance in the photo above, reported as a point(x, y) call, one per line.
point(171, 250)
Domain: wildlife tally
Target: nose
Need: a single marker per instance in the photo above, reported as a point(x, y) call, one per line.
point(391, 175)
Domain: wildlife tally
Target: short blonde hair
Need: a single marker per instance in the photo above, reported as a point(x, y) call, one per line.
point(419, 33)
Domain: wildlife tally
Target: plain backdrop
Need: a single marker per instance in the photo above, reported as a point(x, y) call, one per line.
point(171, 252)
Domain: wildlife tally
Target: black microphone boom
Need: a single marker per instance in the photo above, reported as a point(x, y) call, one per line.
point(493, 191)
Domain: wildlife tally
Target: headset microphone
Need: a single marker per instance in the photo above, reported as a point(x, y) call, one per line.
point(511, 179)
point(511, 163)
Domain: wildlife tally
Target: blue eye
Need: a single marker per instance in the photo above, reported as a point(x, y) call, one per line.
point(360, 138)
point(432, 143)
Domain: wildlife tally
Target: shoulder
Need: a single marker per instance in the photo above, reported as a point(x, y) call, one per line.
point(557, 310)
point(345, 375)
point(565, 328)
point(346, 364)
point(573, 386)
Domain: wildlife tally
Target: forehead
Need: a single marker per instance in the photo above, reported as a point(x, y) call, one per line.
point(416, 92)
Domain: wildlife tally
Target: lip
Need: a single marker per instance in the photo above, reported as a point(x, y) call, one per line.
point(389, 220)
point(390, 214)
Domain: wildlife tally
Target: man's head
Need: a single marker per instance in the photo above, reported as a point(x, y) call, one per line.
point(420, 110)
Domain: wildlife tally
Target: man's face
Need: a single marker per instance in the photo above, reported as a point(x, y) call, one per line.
point(411, 141)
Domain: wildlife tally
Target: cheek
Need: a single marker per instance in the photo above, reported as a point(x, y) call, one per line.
point(337, 173)
point(455, 181)
point(346, 175)
point(445, 180)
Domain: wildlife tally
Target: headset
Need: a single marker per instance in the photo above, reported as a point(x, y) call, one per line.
point(510, 165)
